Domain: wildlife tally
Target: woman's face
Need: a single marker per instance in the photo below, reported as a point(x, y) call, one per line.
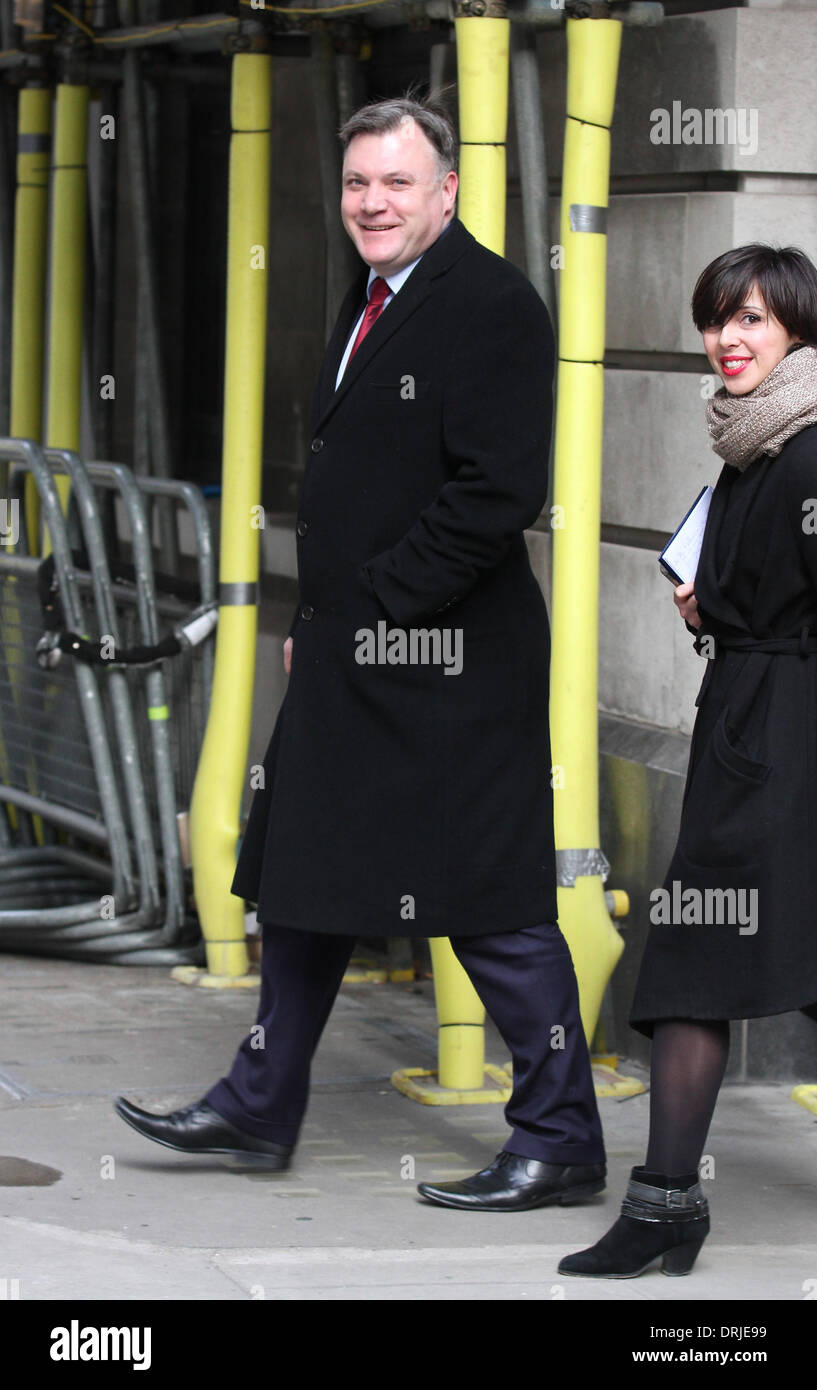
point(745, 349)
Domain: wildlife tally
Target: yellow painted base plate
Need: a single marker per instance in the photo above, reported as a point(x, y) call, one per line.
point(607, 1081)
point(423, 1086)
point(605, 1059)
point(197, 975)
point(364, 971)
point(806, 1096)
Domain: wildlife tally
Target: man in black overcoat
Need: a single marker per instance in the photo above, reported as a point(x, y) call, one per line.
point(407, 781)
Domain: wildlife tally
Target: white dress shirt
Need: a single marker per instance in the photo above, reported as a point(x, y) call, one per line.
point(394, 282)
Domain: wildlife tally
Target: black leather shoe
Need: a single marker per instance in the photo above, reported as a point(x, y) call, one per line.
point(199, 1129)
point(513, 1183)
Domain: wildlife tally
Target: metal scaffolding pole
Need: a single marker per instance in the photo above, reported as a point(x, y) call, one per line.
point(437, 58)
point(6, 261)
point(102, 180)
point(340, 253)
point(148, 342)
point(6, 231)
point(530, 143)
point(349, 84)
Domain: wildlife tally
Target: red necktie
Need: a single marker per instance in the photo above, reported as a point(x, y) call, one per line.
point(374, 308)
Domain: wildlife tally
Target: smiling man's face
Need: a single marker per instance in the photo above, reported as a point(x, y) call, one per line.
point(394, 202)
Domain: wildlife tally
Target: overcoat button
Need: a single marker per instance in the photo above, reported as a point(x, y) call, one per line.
point(307, 612)
point(302, 528)
point(317, 445)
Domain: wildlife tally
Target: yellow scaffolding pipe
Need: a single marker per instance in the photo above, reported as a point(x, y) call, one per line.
point(219, 783)
point(28, 330)
point(65, 327)
point(592, 50)
point(67, 283)
point(483, 46)
point(30, 265)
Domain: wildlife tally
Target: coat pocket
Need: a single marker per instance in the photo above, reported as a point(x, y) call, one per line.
point(731, 758)
point(728, 812)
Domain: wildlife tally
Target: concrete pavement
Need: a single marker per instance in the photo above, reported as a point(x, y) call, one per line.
point(120, 1218)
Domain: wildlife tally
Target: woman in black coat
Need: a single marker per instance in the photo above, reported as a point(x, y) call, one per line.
point(733, 931)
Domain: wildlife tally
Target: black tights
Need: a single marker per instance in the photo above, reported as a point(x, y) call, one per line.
point(686, 1070)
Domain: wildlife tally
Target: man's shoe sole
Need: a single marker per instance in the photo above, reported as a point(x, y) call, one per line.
point(566, 1197)
point(237, 1158)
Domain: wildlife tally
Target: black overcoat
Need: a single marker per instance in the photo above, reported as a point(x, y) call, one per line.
point(398, 799)
point(749, 817)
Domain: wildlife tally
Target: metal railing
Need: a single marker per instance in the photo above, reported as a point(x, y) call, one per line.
point(104, 687)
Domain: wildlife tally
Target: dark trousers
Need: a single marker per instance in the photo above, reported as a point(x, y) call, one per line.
point(524, 978)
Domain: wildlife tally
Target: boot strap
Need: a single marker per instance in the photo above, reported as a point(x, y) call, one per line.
point(647, 1203)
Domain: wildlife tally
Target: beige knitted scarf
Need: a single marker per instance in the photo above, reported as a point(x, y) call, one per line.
point(760, 422)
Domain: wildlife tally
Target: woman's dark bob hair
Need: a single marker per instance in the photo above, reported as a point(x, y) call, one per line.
point(785, 276)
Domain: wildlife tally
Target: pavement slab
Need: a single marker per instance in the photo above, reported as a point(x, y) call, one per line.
point(121, 1218)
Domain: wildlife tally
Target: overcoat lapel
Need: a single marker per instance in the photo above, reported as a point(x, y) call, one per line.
point(436, 260)
point(351, 308)
point(713, 580)
point(708, 579)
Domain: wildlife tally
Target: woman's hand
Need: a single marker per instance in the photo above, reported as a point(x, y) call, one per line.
point(687, 604)
point(287, 654)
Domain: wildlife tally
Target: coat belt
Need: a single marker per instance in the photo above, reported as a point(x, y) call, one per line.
point(804, 645)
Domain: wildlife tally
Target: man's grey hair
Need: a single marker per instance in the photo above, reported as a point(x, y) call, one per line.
point(379, 117)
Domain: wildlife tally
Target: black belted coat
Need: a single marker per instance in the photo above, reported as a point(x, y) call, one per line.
point(400, 799)
point(749, 818)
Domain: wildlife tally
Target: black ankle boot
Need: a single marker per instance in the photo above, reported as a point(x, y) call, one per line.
point(660, 1216)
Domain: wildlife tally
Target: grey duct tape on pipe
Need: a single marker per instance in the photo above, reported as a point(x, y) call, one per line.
point(587, 217)
point(32, 143)
point(574, 863)
point(237, 594)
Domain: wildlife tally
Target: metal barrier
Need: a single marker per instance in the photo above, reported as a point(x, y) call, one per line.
point(189, 678)
point(56, 760)
point(99, 757)
point(175, 695)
